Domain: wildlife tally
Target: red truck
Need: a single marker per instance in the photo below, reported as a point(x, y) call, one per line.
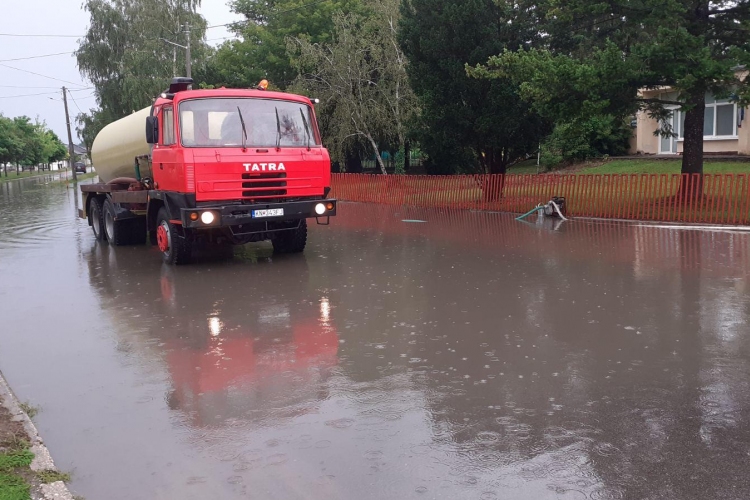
point(218, 165)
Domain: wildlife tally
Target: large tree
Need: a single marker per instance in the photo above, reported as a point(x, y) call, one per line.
point(360, 77)
point(467, 124)
point(10, 143)
point(597, 55)
point(124, 54)
point(260, 50)
point(53, 149)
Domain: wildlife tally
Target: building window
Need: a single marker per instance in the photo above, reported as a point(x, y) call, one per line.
point(719, 119)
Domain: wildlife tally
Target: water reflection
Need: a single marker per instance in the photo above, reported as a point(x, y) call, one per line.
point(256, 352)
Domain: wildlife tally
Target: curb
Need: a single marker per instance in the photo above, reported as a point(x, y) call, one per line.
point(42, 458)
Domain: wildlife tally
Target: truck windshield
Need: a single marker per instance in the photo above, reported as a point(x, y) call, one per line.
point(268, 122)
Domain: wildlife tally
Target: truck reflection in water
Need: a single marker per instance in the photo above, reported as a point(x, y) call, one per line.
point(231, 350)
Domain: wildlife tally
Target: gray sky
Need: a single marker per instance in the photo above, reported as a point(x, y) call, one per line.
point(59, 17)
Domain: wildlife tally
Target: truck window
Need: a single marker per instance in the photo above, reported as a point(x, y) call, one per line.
point(167, 127)
point(216, 123)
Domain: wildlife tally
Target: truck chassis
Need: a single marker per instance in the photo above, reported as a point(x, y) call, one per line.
point(124, 212)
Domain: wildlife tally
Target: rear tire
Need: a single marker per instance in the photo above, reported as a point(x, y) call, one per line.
point(175, 249)
point(293, 241)
point(122, 232)
point(96, 216)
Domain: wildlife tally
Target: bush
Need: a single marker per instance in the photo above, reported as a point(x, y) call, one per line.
point(579, 140)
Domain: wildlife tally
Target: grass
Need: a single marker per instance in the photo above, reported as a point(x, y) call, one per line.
point(29, 410)
point(616, 166)
point(14, 460)
point(51, 476)
point(21, 175)
point(65, 176)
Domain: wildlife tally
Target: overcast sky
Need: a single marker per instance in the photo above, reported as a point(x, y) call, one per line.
point(58, 17)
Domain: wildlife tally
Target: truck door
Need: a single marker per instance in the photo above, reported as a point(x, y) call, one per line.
point(168, 172)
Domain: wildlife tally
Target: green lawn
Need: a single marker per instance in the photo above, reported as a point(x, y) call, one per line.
point(65, 176)
point(637, 167)
point(21, 175)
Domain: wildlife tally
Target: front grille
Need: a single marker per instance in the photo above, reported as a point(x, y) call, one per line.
point(257, 185)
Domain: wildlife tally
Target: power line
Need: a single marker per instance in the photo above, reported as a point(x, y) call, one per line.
point(42, 35)
point(74, 101)
point(25, 95)
point(36, 57)
point(39, 74)
point(25, 87)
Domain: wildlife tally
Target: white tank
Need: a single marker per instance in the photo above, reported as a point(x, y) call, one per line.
point(116, 146)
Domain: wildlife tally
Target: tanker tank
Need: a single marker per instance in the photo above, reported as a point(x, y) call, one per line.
point(116, 146)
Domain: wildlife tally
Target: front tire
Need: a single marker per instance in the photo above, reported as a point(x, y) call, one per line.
point(174, 248)
point(96, 215)
point(293, 241)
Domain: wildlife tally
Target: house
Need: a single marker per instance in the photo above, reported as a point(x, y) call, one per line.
point(726, 129)
point(80, 154)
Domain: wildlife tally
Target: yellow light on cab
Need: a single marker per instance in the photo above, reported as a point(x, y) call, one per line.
point(263, 85)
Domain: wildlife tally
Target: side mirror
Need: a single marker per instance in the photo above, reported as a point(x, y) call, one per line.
point(152, 130)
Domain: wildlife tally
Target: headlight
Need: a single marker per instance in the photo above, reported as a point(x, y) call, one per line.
point(207, 218)
point(320, 209)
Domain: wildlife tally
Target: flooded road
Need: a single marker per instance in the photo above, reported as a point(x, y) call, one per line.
point(465, 356)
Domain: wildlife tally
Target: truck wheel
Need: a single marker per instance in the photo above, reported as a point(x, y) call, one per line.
point(175, 249)
point(293, 241)
point(108, 222)
point(122, 232)
point(97, 219)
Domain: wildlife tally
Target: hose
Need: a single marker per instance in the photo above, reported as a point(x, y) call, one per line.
point(554, 205)
point(541, 207)
point(535, 209)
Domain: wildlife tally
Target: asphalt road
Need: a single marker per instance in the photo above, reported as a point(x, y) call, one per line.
point(406, 354)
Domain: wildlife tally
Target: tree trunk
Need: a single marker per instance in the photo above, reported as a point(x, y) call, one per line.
point(377, 154)
point(354, 164)
point(692, 146)
point(494, 162)
point(407, 155)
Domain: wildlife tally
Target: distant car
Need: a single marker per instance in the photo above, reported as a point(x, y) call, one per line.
point(80, 167)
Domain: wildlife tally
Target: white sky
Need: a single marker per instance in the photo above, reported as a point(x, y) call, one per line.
point(59, 17)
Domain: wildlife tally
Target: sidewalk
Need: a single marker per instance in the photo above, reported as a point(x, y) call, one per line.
point(26, 467)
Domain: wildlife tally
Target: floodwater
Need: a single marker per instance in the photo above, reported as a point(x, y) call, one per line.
point(466, 356)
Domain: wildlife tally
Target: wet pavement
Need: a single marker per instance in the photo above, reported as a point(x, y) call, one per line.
point(467, 356)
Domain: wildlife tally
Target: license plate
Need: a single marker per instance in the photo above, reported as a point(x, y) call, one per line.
point(271, 212)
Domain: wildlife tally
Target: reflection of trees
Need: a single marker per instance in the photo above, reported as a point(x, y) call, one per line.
point(613, 346)
point(240, 341)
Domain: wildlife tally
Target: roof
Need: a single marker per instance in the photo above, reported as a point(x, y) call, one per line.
point(77, 150)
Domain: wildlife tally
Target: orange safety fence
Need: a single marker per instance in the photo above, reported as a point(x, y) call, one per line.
point(710, 198)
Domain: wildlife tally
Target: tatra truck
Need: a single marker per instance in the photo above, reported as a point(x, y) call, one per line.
point(210, 165)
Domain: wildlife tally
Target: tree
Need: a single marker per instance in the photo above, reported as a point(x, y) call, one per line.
point(53, 149)
point(599, 54)
point(360, 76)
point(88, 126)
point(124, 56)
point(261, 50)
point(10, 144)
point(32, 143)
point(468, 124)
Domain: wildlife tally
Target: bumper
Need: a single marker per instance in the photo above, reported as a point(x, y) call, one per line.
point(234, 215)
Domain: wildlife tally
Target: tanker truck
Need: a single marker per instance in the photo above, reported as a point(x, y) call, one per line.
point(211, 165)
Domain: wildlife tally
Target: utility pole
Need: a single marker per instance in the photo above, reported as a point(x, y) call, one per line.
point(70, 137)
point(188, 62)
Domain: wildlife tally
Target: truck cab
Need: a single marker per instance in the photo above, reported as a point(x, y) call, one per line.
point(234, 165)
